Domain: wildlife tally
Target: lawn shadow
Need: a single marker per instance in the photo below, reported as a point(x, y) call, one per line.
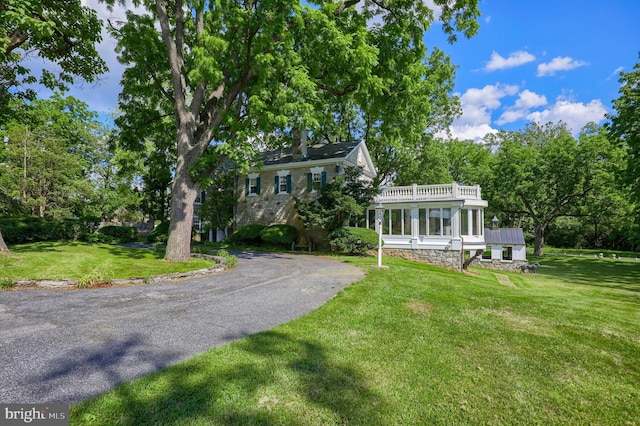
point(130, 252)
point(78, 374)
point(249, 388)
point(622, 275)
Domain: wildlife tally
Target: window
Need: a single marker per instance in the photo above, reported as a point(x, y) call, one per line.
point(507, 253)
point(486, 254)
point(464, 222)
point(473, 215)
point(282, 183)
point(446, 221)
point(422, 218)
point(396, 222)
point(475, 222)
point(434, 222)
point(200, 198)
point(196, 223)
point(316, 179)
point(252, 184)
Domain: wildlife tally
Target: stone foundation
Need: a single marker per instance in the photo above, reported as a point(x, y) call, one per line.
point(511, 266)
point(449, 259)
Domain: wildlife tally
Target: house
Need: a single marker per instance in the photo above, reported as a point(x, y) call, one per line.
point(506, 248)
point(266, 194)
point(437, 224)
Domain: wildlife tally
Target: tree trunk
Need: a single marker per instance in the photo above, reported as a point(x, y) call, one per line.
point(183, 195)
point(468, 262)
point(538, 244)
point(4, 250)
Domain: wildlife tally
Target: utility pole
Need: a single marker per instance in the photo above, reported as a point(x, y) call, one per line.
point(24, 167)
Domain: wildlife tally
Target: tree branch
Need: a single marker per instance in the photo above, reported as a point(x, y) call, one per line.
point(344, 5)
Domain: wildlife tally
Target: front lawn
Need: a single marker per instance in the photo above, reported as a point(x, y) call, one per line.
point(73, 260)
point(415, 344)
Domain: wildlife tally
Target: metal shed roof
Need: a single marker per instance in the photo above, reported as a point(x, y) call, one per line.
point(504, 236)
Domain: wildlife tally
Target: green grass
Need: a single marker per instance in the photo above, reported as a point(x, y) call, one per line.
point(60, 260)
point(415, 344)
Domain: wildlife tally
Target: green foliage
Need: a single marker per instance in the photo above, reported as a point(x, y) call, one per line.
point(248, 234)
point(27, 229)
point(65, 33)
point(120, 234)
point(344, 199)
point(6, 283)
point(353, 241)
point(159, 234)
point(279, 234)
point(543, 173)
point(625, 124)
point(93, 279)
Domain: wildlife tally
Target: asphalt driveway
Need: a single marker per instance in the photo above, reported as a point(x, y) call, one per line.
point(65, 346)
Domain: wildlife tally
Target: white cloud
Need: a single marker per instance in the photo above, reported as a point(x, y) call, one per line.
point(477, 107)
point(615, 73)
point(526, 100)
point(575, 114)
point(559, 64)
point(515, 59)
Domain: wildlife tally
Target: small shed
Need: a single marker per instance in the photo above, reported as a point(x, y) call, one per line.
point(504, 245)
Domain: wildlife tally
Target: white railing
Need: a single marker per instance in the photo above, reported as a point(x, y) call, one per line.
point(416, 192)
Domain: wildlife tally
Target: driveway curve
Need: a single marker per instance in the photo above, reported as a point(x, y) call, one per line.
point(60, 346)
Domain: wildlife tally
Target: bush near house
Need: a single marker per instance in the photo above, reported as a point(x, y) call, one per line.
point(160, 233)
point(248, 234)
point(353, 241)
point(120, 234)
point(279, 234)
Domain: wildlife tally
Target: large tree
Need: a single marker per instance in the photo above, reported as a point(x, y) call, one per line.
point(543, 173)
point(625, 124)
point(63, 32)
point(229, 71)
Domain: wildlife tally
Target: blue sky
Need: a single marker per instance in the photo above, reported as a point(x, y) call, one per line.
point(544, 60)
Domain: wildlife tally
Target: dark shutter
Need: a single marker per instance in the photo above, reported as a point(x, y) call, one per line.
point(324, 179)
point(288, 184)
point(276, 184)
point(246, 186)
point(309, 182)
point(258, 186)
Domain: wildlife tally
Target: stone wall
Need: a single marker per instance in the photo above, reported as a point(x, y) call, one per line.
point(511, 266)
point(449, 259)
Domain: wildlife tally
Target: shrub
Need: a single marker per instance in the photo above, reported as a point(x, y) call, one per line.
point(121, 234)
point(17, 230)
point(248, 234)
point(279, 234)
point(96, 237)
point(355, 241)
point(160, 233)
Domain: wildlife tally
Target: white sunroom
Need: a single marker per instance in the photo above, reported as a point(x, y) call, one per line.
point(435, 224)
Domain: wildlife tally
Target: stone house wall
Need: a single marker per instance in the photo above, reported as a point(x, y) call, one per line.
point(511, 266)
point(449, 259)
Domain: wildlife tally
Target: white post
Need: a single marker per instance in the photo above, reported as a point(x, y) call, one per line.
point(379, 219)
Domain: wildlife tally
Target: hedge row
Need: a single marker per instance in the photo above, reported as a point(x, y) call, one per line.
point(18, 230)
point(29, 229)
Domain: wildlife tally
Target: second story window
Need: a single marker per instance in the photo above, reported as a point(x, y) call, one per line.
point(316, 179)
point(282, 182)
point(252, 184)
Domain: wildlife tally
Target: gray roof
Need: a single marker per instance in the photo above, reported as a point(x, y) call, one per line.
point(504, 236)
point(315, 152)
